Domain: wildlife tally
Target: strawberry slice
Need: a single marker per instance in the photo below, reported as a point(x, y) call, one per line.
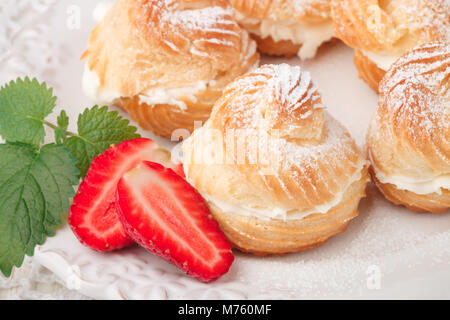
point(168, 217)
point(179, 169)
point(92, 216)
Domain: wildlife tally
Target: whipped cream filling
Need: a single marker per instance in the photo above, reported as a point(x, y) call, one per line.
point(309, 35)
point(384, 60)
point(157, 95)
point(277, 212)
point(173, 96)
point(97, 94)
point(419, 186)
point(426, 185)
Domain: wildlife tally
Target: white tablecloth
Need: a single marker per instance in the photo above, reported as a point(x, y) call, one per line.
point(33, 281)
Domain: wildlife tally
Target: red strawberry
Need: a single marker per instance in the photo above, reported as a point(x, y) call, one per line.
point(167, 216)
point(93, 215)
point(179, 169)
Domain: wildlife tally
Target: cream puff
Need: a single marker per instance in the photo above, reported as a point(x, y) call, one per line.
point(382, 31)
point(408, 141)
point(278, 172)
point(286, 27)
point(166, 62)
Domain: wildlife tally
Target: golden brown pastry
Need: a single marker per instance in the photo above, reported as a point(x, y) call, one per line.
point(279, 173)
point(286, 27)
point(409, 138)
point(382, 31)
point(166, 61)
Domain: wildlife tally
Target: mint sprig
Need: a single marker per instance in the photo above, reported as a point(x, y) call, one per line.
point(98, 128)
point(36, 180)
point(24, 104)
point(61, 129)
point(35, 188)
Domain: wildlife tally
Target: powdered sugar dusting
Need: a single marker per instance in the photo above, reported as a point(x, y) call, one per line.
point(431, 16)
point(293, 89)
point(392, 26)
point(281, 84)
point(197, 25)
point(329, 159)
point(342, 267)
point(313, 6)
point(417, 90)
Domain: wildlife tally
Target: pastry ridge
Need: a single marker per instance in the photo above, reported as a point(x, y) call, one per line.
point(409, 135)
point(308, 161)
point(313, 10)
point(375, 26)
point(144, 45)
point(388, 28)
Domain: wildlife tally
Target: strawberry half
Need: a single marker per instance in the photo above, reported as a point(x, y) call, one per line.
point(168, 217)
point(92, 216)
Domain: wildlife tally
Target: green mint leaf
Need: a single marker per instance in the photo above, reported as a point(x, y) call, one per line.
point(35, 188)
point(98, 129)
point(24, 104)
point(61, 129)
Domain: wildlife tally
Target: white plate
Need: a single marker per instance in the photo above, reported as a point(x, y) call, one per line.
point(387, 252)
